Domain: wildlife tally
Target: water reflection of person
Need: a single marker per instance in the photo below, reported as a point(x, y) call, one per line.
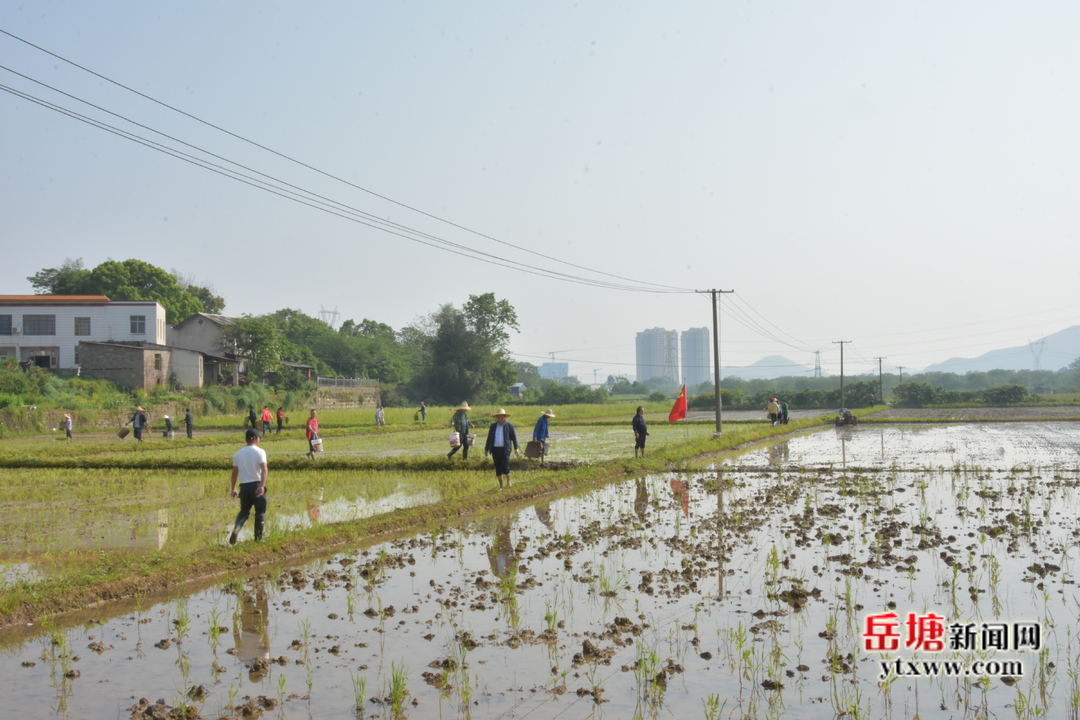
point(251, 635)
point(314, 507)
point(641, 499)
point(501, 553)
point(543, 512)
point(780, 452)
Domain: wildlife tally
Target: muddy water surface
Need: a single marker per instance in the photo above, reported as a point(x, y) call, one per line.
point(738, 591)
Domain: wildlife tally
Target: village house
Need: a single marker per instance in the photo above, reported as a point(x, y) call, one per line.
point(45, 330)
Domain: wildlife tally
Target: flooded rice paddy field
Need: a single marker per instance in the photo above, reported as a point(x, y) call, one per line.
point(738, 590)
point(60, 511)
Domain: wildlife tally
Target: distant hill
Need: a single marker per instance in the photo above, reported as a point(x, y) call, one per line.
point(1058, 350)
point(766, 368)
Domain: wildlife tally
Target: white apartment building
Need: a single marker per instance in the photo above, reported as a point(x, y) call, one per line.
point(47, 329)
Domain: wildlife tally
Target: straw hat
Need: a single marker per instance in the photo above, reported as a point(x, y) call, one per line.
point(138, 408)
point(464, 406)
point(548, 413)
point(500, 413)
point(165, 417)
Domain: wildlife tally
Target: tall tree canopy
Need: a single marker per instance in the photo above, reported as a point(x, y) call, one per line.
point(128, 280)
point(468, 358)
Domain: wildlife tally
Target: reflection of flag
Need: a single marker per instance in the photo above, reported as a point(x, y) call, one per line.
point(678, 410)
point(682, 491)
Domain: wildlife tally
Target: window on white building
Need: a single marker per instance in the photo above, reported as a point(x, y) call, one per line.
point(39, 324)
point(82, 326)
point(138, 324)
point(5, 324)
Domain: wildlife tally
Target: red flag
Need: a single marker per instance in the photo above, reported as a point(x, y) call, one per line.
point(678, 410)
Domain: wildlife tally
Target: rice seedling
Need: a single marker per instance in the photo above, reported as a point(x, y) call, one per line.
point(398, 689)
point(359, 684)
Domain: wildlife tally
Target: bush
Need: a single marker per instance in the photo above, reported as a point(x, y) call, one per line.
point(657, 397)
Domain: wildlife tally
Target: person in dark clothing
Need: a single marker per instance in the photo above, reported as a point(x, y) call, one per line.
point(501, 435)
point(423, 412)
point(253, 418)
point(460, 423)
point(168, 427)
point(783, 412)
point(138, 422)
point(641, 431)
point(280, 419)
point(189, 420)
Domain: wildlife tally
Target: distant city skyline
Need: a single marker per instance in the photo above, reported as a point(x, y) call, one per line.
point(696, 354)
point(657, 354)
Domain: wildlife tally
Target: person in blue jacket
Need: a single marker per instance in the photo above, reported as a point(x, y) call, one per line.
point(540, 432)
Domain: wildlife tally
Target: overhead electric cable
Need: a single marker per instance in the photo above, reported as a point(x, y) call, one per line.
point(288, 195)
point(667, 288)
point(310, 199)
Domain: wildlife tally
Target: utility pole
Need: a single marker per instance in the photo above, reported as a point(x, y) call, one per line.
point(716, 352)
point(881, 379)
point(841, 343)
point(901, 369)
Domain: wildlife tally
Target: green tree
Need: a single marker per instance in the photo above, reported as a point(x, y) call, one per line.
point(129, 280)
point(138, 280)
point(465, 354)
point(257, 342)
point(68, 279)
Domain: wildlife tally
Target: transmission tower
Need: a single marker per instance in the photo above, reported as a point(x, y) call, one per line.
point(817, 363)
point(1036, 349)
point(329, 316)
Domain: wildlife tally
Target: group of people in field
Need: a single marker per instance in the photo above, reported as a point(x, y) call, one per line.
point(777, 411)
point(140, 423)
point(266, 419)
point(249, 470)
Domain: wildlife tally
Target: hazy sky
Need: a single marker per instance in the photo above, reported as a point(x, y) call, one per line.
point(901, 175)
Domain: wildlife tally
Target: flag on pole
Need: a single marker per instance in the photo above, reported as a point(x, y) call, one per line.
point(678, 410)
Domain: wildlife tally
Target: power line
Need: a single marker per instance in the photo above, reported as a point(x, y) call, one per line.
point(658, 287)
point(315, 201)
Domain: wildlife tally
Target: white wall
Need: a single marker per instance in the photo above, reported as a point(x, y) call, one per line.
point(187, 365)
point(109, 322)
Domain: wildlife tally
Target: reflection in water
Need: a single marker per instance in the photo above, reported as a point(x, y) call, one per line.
point(682, 494)
point(845, 434)
point(779, 452)
point(162, 527)
point(543, 512)
point(251, 637)
point(342, 509)
point(314, 507)
point(720, 523)
point(641, 498)
point(504, 565)
point(501, 551)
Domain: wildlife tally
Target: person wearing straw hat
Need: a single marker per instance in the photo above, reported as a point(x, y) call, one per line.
point(138, 422)
point(773, 409)
point(540, 433)
point(67, 425)
point(460, 423)
point(501, 435)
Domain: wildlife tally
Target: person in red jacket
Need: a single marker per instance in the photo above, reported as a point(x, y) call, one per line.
point(312, 433)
